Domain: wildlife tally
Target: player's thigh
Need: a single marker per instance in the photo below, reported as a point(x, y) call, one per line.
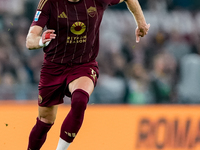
point(47, 114)
point(84, 83)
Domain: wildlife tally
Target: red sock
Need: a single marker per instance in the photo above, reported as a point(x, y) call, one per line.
point(74, 119)
point(38, 135)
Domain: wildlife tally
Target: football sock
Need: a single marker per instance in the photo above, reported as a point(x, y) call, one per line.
point(74, 119)
point(38, 135)
point(62, 145)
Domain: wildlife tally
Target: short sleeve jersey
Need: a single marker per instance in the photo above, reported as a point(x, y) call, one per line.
point(76, 25)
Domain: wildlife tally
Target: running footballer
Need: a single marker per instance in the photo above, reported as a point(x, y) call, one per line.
point(70, 45)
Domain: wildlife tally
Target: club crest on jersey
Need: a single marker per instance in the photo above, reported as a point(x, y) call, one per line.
point(78, 28)
point(37, 15)
point(91, 11)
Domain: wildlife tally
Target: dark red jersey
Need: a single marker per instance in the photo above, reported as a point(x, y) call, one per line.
point(76, 25)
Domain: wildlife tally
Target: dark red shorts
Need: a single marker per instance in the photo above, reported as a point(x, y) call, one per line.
point(55, 78)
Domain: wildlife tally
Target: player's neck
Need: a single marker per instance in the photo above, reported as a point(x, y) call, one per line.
point(74, 0)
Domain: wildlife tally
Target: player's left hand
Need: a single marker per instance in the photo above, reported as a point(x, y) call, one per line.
point(141, 31)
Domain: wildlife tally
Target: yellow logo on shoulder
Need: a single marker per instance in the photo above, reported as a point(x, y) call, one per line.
point(78, 28)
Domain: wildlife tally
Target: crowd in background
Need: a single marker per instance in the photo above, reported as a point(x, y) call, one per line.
point(162, 68)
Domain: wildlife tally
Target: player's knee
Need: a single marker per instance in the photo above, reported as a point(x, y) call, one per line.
point(47, 114)
point(48, 118)
point(79, 104)
point(79, 101)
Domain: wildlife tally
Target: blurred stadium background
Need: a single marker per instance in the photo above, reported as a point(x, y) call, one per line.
point(164, 68)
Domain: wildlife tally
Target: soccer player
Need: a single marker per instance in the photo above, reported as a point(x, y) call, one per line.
point(70, 45)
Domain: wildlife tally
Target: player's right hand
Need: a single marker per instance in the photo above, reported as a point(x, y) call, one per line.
point(141, 31)
point(48, 35)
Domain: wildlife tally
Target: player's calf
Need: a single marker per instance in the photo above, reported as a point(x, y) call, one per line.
point(74, 119)
point(38, 135)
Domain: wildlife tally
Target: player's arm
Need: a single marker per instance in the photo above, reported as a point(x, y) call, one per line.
point(137, 12)
point(36, 39)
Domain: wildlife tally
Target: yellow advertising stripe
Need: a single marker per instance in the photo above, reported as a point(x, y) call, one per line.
point(43, 4)
point(40, 3)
